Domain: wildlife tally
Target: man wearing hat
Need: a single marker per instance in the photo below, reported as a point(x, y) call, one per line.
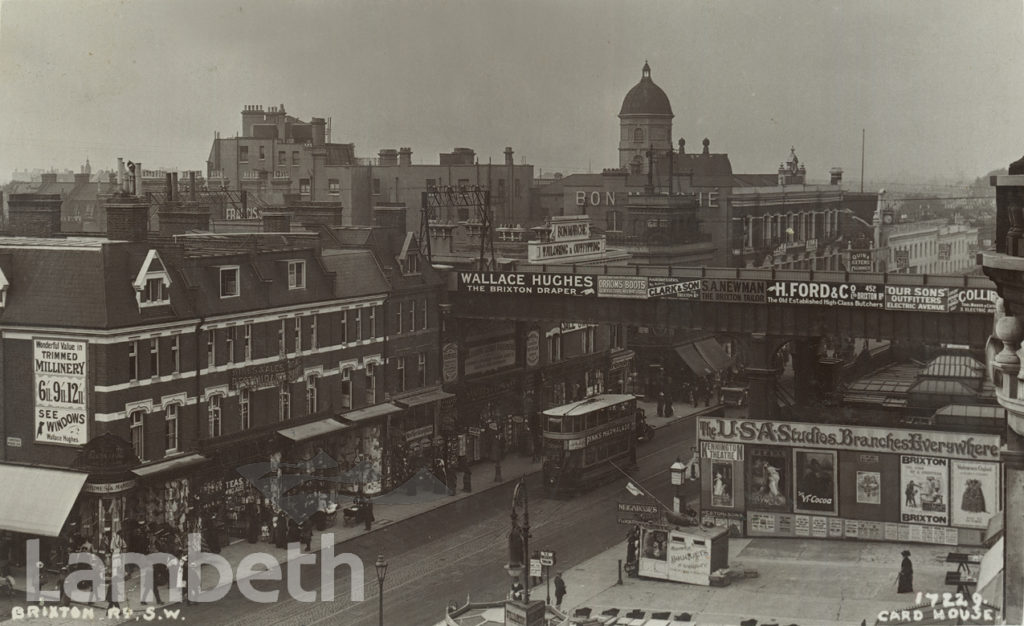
point(905, 580)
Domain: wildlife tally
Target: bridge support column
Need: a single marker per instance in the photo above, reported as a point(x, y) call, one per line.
point(763, 377)
point(805, 374)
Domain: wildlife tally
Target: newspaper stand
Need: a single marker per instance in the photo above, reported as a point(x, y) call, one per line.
point(686, 555)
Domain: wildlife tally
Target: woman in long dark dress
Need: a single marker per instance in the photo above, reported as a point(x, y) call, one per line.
point(905, 581)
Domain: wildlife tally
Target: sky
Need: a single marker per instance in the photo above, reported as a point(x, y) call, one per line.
point(936, 85)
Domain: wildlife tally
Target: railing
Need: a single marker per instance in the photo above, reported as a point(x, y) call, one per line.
point(964, 281)
point(621, 239)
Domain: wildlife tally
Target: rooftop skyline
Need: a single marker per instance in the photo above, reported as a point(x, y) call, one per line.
point(930, 82)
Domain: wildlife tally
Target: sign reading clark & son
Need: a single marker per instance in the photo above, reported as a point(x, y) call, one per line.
point(840, 437)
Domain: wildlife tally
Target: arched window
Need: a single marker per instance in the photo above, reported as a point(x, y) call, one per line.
point(213, 407)
point(312, 381)
point(346, 388)
point(284, 401)
point(245, 407)
point(135, 425)
point(638, 134)
point(171, 428)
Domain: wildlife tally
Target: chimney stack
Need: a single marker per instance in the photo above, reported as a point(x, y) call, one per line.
point(405, 156)
point(121, 178)
point(34, 214)
point(48, 177)
point(836, 176)
point(191, 186)
point(508, 156)
point(174, 186)
point(127, 218)
point(387, 156)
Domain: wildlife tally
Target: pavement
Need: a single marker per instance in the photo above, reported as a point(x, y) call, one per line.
point(806, 582)
point(390, 509)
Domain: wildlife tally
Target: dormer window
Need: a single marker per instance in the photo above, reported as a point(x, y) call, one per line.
point(153, 282)
point(296, 274)
point(229, 282)
point(409, 258)
point(412, 264)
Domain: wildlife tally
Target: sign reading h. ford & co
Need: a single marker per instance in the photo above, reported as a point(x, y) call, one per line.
point(838, 437)
point(528, 284)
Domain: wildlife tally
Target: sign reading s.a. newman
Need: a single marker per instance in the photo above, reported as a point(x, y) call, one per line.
point(839, 437)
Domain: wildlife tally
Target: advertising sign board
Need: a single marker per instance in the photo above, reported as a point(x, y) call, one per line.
point(860, 261)
point(768, 479)
point(622, 287)
point(662, 287)
point(826, 294)
point(814, 474)
point(61, 384)
point(862, 438)
point(907, 298)
point(527, 283)
point(490, 357)
point(924, 482)
point(973, 300)
point(974, 496)
point(732, 290)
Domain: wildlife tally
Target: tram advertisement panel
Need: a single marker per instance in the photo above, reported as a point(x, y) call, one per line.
point(924, 482)
point(827, 294)
point(768, 478)
point(814, 474)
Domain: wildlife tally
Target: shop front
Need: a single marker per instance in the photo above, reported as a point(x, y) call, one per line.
point(485, 409)
point(319, 457)
point(164, 493)
point(108, 501)
point(368, 455)
point(37, 503)
point(789, 479)
point(621, 375)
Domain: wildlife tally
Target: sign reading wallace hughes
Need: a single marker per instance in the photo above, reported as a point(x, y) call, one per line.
point(60, 391)
point(837, 437)
point(268, 375)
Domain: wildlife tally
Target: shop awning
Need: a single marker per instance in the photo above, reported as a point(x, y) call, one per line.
point(37, 501)
point(313, 429)
point(177, 463)
point(714, 354)
point(694, 361)
point(370, 412)
point(425, 397)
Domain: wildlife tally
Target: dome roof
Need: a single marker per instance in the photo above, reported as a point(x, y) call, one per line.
point(646, 98)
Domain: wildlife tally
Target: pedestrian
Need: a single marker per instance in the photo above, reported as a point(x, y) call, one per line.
point(559, 590)
point(367, 513)
point(113, 595)
point(306, 535)
point(905, 579)
point(281, 531)
point(181, 579)
point(65, 600)
point(156, 577)
point(517, 591)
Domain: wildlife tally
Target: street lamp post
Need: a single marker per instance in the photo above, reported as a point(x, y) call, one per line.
point(382, 571)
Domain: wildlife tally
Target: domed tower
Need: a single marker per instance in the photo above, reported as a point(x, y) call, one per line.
point(645, 120)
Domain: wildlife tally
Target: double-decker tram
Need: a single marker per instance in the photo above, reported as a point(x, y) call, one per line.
point(583, 439)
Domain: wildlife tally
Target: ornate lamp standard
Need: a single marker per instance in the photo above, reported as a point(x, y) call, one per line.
point(382, 571)
point(530, 613)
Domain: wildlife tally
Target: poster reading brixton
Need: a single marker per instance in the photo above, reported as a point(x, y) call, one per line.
point(60, 384)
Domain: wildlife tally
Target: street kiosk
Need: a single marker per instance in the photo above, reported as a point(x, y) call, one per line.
point(686, 555)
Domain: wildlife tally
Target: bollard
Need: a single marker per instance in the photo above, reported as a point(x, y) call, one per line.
point(620, 573)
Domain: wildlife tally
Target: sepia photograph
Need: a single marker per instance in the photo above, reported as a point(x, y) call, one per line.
point(492, 313)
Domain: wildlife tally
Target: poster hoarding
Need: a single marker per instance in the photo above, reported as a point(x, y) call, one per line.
point(61, 383)
point(768, 479)
point(722, 484)
point(814, 475)
point(924, 483)
point(974, 493)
